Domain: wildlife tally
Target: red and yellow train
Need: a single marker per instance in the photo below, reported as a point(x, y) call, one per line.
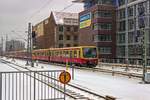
point(82, 56)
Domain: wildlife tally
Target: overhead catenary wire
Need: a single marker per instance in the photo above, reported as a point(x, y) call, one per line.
point(42, 7)
point(68, 6)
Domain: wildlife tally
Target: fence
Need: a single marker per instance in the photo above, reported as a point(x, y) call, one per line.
point(31, 85)
point(123, 61)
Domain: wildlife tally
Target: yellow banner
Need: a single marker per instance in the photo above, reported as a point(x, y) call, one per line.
point(85, 23)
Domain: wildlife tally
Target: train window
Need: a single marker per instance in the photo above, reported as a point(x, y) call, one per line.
point(64, 53)
point(43, 54)
point(53, 53)
point(89, 52)
point(71, 54)
point(49, 53)
point(75, 54)
point(59, 53)
point(78, 53)
point(56, 54)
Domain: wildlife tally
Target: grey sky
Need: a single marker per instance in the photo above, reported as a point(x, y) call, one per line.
point(15, 14)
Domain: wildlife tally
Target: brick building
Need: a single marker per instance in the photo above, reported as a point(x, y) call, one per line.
point(60, 29)
point(98, 26)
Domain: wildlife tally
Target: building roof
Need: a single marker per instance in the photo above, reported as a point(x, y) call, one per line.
point(78, 1)
point(60, 16)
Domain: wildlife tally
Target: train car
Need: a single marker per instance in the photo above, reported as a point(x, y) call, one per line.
point(83, 55)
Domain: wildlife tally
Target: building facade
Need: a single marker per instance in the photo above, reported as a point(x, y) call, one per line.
point(133, 20)
point(57, 31)
point(98, 26)
point(14, 45)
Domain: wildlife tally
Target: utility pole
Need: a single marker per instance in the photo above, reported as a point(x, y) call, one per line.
point(2, 45)
point(6, 49)
point(144, 53)
point(30, 44)
point(126, 35)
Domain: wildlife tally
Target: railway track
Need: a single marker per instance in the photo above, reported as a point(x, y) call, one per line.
point(71, 89)
point(113, 72)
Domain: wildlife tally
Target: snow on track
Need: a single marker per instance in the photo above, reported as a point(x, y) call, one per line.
point(120, 87)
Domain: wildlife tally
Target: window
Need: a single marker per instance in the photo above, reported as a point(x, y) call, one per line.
point(108, 2)
point(131, 24)
point(131, 37)
point(121, 38)
point(121, 50)
point(122, 14)
point(75, 45)
point(61, 45)
point(61, 28)
point(121, 2)
point(102, 37)
point(75, 38)
point(75, 29)
point(68, 45)
point(99, 14)
point(103, 26)
point(89, 53)
point(61, 37)
point(122, 25)
point(129, 1)
point(68, 29)
point(141, 9)
point(75, 54)
point(68, 37)
point(142, 22)
point(130, 11)
point(104, 50)
point(135, 50)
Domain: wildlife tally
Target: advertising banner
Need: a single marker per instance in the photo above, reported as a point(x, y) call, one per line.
point(85, 20)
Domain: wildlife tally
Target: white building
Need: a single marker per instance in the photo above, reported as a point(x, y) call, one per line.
point(133, 19)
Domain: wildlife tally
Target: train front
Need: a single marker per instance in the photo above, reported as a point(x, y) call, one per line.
point(90, 56)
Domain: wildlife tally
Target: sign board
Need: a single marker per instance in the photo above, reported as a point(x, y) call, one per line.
point(85, 20)
point(64, 77)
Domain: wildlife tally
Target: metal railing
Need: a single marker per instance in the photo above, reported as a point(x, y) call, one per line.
point(31, 85)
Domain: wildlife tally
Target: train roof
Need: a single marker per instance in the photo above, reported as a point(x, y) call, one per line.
point(64, 48)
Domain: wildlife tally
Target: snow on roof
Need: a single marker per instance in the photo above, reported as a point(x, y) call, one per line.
point(60, 16)
point(79, 1)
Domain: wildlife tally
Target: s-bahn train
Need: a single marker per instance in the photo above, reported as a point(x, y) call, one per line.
point(81, 56)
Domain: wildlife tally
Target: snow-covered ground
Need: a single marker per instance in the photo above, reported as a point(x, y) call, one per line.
point(120, 87)
point(20, 86)
point(5, 68)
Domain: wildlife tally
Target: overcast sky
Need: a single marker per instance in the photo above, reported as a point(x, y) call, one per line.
point(15, 14)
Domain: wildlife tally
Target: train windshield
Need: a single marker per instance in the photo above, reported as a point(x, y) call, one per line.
point(89, 53)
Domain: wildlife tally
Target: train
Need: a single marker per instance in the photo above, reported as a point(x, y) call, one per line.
point(86, 56)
